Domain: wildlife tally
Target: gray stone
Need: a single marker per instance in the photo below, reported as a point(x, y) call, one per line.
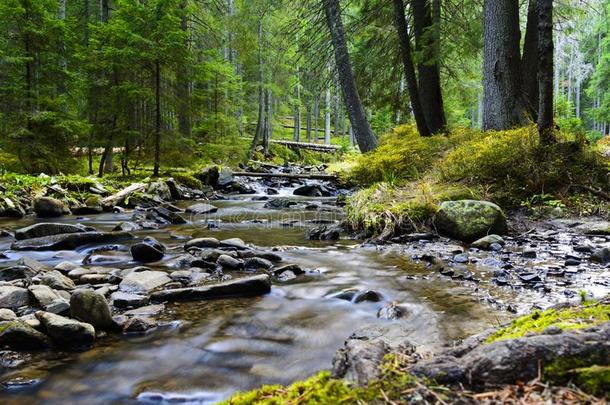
point(201, 208)
point(139, 324)
point(57, 281)
point(43, 229)
point(144, 281)
point(44, 295)
point(7, 315)
point(16, 273)
point(65, 267)
point(241, 287)
point(148, 250)
point(66, 332)
point(13, 297)
point(229, 263)
point(486, 242)
point(149, 310)
point(92, 308)
point(601, 256)
point(47, 207)
point(160, 189)
point(203, 243)
point(233, 243)
point(469, 220)
point(255, 263)
point(70, 241)
point(125, 300)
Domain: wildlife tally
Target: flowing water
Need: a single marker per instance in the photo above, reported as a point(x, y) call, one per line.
point(205, 351)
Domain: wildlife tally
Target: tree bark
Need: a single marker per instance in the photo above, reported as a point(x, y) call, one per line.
point(545, 70)
point(363, 133)
point(327, 117)
point(425, 26)
point(157, 118)
point(400, 23)
point(504, 107)
point(308, 123)
point(261, 125)
point(316, 115)
point(529, 61)
point(183, 87)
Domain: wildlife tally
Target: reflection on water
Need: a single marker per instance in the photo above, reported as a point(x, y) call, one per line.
point(222, 346)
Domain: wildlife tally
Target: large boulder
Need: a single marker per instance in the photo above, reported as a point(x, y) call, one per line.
point(469, 220)
point(57, 281)
point(66, 332)
point(225, 177)
point(209, 176)
point(70, 241)
point(148, 250)
point(93, 205)
point(46, 297)
point(143, 281)
point(10, 208)
point(17, 335)
point(13, 297)
point(160, 189)
point(203, 243)
point(43, 229)
point(312, 190)
point(47, 207)
point(91, 307)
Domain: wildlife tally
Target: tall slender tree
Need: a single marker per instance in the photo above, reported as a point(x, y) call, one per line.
point(545, 70)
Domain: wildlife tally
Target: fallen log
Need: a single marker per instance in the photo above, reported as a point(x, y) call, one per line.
point(306, 176)
point(311, 146)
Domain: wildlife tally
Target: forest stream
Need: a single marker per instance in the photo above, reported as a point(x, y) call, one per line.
point(205, 351)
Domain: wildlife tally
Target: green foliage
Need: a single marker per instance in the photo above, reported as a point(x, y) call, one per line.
point(578, 317)
point(188, 180)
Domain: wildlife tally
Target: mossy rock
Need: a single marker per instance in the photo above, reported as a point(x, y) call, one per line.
point(18, 335)
point(469, 220)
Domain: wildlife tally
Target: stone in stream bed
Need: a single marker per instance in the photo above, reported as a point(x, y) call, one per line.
point(125, 300)
point(312, 190)
point(13, 297)
point(255, 263)
point(229, 263)
point(90, 307)
point(139, 324)
point(295, 268)
point(280, 203)
point(44, 295)
point(57, 281)
point(324, 232)
point(66, 332)
point(169, 216)
point(92, 206)
point(486, 242)
point(241, 287)
point(43, 229)
point(601, 256)
point(233, 243)
point(469, 220)
point(201, 208)
point(143, 281)
point(7, 315)
point(47, 207)
point(148, 250)
point(18, 335)
point(202, 243)
point(16, 273)
point(70, 241)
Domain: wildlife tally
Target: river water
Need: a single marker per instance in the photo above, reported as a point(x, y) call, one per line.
point(205, 351)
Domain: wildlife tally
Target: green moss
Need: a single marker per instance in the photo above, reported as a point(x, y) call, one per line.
point(188, 180)
point(587, 315)
point(593, 379)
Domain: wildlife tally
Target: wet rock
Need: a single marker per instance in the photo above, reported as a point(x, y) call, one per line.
point(13, 297)
point(127, 227)
point(169, 216)
point(209, 176)
point(312, 190)
point(601, 256)
point(225, 177)
point(17, 335)
point(229, 263)
point(572, 262)
point(148, 250)
point(125, 300)
point(255, 263)
point(144, 281)
point(92, 206)
point(461, 258)
point(512, 360)
point(201, 208)
point(10, 208)
point(324, 233)
point(233, 243)
point(70, 241)
point(139, 324)
point(469, 220)
point(364, 351)
point(188, 276)
point(65, 267)
point(92, 308)
point(43, 229)
point(66, 332)
point(486, 242)
point(203, 243)
point(149, 310)
point(530, 277)
point(16, 273)
point(47, 207)
point(368, 295)
point(7, 315)
point(295, 268)
point(241, 287)
point(529, 254)
point(280, 204)
point(390, 312)
point(272, 191)
point(60, 306)
point(57, 281)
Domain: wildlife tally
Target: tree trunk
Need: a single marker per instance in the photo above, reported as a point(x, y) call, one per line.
point(261, 125)
point(504, 107)
point(297, 110)
point(545, 70)
point(308, 123)
point(316, 115)
point(183, 87)
point(529, 61)
point(268, 122)
point(327, 117)
point(363, 133)
point(400, 23)
point(157, 118)
point(425, 26)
